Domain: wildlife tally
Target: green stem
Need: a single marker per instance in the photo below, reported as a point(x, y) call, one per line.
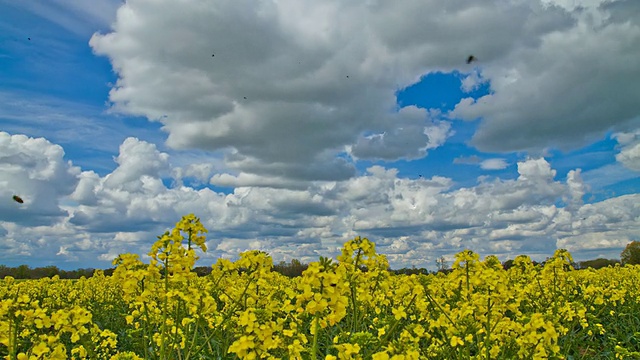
point(433, 302)
point(165, 305)
point(145, 332)
point(468, 281)
point(193, 339)
point(352, 285)
point(555, 292)
point(316, 327)
point(175, 338)
point(542, 290)
point(354, 308)
point(13, 346)
point(229, 313)
point(487, 340)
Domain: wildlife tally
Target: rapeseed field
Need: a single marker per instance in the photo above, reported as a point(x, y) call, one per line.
point(352, 308)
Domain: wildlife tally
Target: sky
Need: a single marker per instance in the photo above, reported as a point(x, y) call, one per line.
point(292, 126)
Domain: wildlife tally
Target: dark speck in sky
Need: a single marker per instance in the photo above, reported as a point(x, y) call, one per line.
point(471, 59)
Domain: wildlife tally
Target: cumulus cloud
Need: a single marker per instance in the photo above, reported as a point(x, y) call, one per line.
point(415, 221)
point(566, 88)
point(84, 193)
point(136, 158)
point(602, 228)
point(326, 168)
point(35, 170)
point(467, 160)
point(72, 124)
point(494, 164)
point(629, 154)
point(291, 94)
point(407, 131)
point(290, 84)
point(472, 81)
point(201, 173)
point(244, 180)
point(577, 189)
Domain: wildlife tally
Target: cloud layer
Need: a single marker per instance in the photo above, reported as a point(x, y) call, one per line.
point(286, 86)
point(567, 87)
point(85, 219)
point(272, 108)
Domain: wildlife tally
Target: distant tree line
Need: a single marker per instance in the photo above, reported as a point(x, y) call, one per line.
point(630, 255)
point(292, 268)
point(26, 272)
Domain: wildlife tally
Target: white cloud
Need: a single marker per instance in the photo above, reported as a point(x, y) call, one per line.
point(137, 158)
point(244, 180)
point(494, 164)
point(472, 81)
point(84, 193)
point(602, 227)
point(565, 88)
point(409, 136)
point(298, 90)
point(629, 154)
point(131, 237)
point(414, 221)
point(630, 157)
point(533, 169)
point(200, 172)
point(607, 175)
point(285, 85)
point(467, 160)
point(293, 196)
point(63, 251)
point(72, 123)
point(577, 189)
point(34, 169)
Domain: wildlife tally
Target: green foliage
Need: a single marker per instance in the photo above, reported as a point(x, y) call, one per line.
point(26, 272)
point(597, 263)
point(631, 254)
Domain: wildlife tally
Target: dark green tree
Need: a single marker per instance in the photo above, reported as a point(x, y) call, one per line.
point(631, 254)
point(508, 264)
point(598, 263)
point(23, 272)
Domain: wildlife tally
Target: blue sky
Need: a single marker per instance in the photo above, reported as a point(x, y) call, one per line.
point(292, 127)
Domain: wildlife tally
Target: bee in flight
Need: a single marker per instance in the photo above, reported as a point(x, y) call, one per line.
point(18, 199)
